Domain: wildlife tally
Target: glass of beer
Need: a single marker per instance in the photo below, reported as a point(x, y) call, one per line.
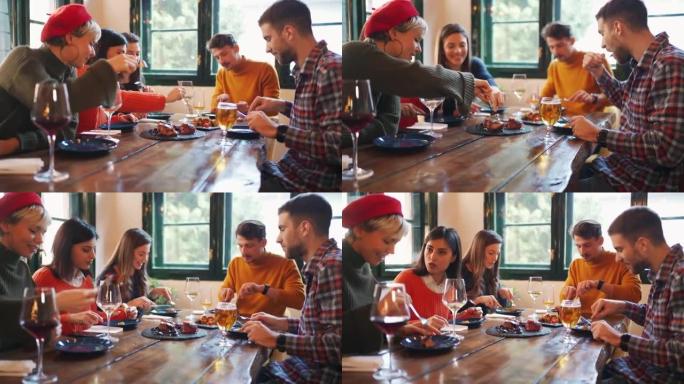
point(550, 112)
point(226, 115)
point(570, 312)
point(226, 314)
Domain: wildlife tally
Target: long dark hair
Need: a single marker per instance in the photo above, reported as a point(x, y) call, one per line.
point(70, 233)
point(109, 39)
point(475, 259)
point(447, 31)
point(122, 258)
point(136, 81)
point(453, 240)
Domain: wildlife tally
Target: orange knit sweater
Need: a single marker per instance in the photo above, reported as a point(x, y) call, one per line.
point(244, 83)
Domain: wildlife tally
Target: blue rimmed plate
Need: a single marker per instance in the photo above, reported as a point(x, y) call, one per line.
point(94, 146)
point(83, 345)
point(436, 343)
point(407, 142)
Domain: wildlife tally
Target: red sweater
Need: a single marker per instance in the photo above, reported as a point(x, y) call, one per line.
point(426, 301)
point(131, 101)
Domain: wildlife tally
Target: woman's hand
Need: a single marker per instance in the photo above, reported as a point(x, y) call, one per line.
point(489, 300)
point(410, 110)
point(437, 322)
point(506, 293)
point(141, 302)
point(162, 292)
point(86, 318)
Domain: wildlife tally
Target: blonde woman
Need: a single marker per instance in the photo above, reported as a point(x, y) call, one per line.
point(481, 271)
point(376, 224)
point(23, 223)
point(127, 267)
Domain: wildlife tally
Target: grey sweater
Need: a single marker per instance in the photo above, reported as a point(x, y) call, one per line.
point(14, 277)
point(23, 69)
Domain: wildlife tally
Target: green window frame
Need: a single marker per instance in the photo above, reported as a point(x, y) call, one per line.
point(205, 73)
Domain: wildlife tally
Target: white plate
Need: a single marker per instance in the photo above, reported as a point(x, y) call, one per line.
point(426, 125)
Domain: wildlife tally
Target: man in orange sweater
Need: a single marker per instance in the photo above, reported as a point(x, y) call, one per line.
point(264, 282)
point(566, 77)
point(240, 80)
point(598, 274)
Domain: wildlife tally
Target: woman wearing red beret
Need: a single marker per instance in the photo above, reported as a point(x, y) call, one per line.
point(68, 36)
point(392, 35)
point(376, 225)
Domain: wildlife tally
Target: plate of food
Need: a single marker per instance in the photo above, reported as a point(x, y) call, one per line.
point(207, 321)
point(550, 319)
point(125, 317)
point(83, 345)
point(173, 132)
point(164, 310)
point(434, 343)
point(497, 127)
point(583, 327)
point(403, 143)
point(531, 117)
point(167, 330)
point(205, 123)
point(471, 317)
point(512, 311)
point(87, 146)
point(512, 328)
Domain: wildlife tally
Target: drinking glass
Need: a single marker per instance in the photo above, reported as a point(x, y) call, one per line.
point(534, 100)
point(192, 287)
point(39, 317)
point(188, 91)
point(108, 299)
point(550, 112)
point(357, 113)
point(207, 300)
point(432, 103)
point(454, 296)
point(518, 85)
point(534, 288)
point(570, 313)
point(50, 113)
point(226, 314)
point(111, 106)
point(389, 312)
point(549, 296)
point(198, 103)
point(226, 115)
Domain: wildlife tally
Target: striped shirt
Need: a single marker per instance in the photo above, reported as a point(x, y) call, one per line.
point(314, 339)
point(648, 149)
point(315, 132)
point(658, 355)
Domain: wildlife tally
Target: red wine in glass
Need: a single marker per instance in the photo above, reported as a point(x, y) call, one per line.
point(357, 112)
point(39, 317)
point(52, 126)
point(51, 112)
point(389, 325)
point(39, 329)
point(357, 122)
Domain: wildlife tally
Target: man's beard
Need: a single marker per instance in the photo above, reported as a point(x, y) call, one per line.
point(286, 57)
point(622, 55)
point(640, 267)
point(296, 252)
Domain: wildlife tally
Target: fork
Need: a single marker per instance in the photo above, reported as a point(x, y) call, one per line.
point(423, 321)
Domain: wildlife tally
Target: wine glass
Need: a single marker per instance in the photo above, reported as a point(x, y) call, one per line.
point(432, 103)
point(50, 113)
point(570, 312)
point(550, 112)
point(111, 106)
point(534, 288)
point(207, 299)
point(108, 299)
point(226, 115)
point(518, 85)
point(454, 296)
point(192, 288)
point(188, 91)
point(198, 103)
point(549, 296)
point(357, 113)
point(389, 312)
point(39, 317)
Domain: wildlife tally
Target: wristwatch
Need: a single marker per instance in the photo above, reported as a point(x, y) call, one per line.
point(280, 342)
point(602, 137)
point(599, 285)
point(624, 341)
point(594, 98)
point(281, 131)
point(266, 287)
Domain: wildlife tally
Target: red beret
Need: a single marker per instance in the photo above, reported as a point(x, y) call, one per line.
point(14, 201)
point(64, 21)
point(389, 15)
point(369, 207)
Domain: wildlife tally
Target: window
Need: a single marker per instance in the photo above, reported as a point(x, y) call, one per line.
point(174, 40)
point(5, 29)
point(39, 13)
point(670, 207)
point(495, 21)
point(524, 220)
point(195, 232)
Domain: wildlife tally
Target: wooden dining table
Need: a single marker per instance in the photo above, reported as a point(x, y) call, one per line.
point(460, 161)
point(138, 164)
point(137, 359)
point(481, 358)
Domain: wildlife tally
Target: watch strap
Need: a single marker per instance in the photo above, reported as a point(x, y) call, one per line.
point(280, 342)
point(602, 136)
point(624, 341)
point(266, 288)
point(280, 134)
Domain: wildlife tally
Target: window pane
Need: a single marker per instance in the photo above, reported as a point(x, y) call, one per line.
point(5, 29)
point(403, 250)
point(338, 201)
point(601, 207)
point(332, 34)
point(38, 14)
point(59, 207)
point(670, 207)
point(262, 207)
point(173, 35)
point(519, 18)
point(527, 228)
point(373, 4)
point(186, 228)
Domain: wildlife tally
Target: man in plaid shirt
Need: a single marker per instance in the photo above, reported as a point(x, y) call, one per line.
point(313, 341)
point(657, 356)
point(313, 162)
point(648, 149)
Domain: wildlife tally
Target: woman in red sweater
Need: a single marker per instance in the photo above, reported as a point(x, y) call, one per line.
point(440, 258)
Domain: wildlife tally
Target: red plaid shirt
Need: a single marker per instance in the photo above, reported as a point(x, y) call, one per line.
point(658, 355)
point(648, 149)
point(314, 340)
point(315, 132)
